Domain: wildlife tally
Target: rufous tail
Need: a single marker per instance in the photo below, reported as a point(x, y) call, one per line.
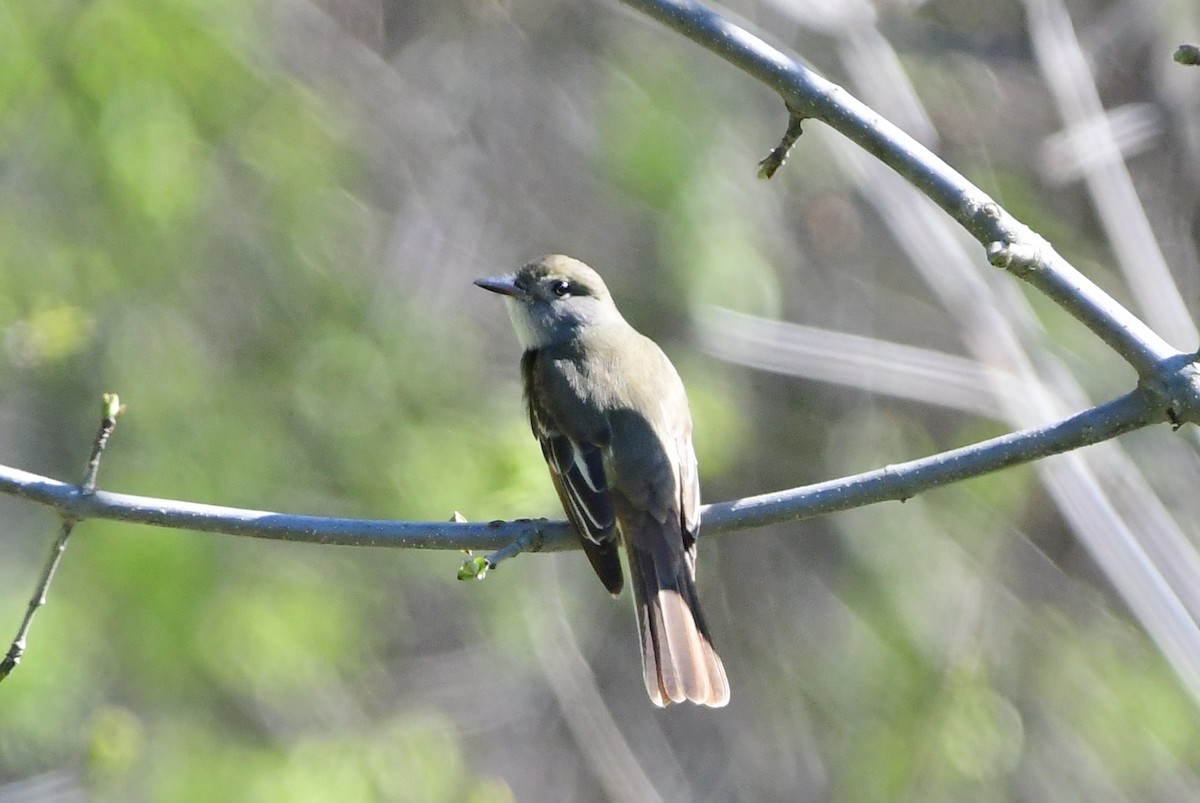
point(678, 659)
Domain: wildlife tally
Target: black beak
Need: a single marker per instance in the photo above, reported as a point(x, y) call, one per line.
point(504, 285)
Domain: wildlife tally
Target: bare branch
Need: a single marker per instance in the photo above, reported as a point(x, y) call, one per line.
point(481, 536)
point(904, 480)
point(17, 649)
point(896, 482)
point(1010, 244)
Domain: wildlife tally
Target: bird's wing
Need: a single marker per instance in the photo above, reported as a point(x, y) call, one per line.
point(575, 460)
point(577, 469)
point(580, 468)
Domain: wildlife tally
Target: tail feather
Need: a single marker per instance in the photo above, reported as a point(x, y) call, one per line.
point(678, 659)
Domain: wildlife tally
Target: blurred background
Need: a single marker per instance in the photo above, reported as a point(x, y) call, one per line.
point(259, 221)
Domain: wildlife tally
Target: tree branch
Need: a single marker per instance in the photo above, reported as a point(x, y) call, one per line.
point(280, 526)
point(902, 481)
point(1009, 243)
point(895, 482)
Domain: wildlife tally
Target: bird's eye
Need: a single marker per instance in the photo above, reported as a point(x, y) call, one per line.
point(562, 288)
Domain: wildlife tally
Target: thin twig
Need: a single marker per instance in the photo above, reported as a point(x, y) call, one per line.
point(528, 541)
point(776, 158)
point(111, 409)
point(17, 649)
point(476, 567)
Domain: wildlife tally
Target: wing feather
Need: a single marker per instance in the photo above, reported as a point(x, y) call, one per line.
point(577, 469)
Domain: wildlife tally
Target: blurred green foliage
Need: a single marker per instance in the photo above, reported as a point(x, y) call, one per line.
point(173, 227)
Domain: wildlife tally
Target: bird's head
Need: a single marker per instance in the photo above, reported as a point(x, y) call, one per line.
point(551, 299)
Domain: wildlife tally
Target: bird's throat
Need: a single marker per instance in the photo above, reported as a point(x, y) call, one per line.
point(529, 335)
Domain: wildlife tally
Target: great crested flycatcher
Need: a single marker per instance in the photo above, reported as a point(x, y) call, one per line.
point(612, 418)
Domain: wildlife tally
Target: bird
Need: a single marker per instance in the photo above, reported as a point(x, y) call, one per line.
point(612, 417)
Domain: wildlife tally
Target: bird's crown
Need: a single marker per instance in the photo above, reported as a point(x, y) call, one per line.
point(559, 276)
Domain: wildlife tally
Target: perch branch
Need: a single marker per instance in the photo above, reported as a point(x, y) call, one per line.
point(896, 482)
